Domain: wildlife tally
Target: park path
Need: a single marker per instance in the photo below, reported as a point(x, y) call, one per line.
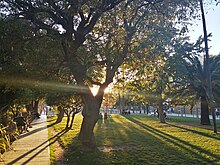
point(31, 148)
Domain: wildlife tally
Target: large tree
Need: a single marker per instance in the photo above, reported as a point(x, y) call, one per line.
point(215, 73)
point(189, 80)
point(23, 63)
point(79, 24)
point(207, 69)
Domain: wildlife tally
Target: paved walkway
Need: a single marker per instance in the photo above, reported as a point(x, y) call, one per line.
point(32, 148)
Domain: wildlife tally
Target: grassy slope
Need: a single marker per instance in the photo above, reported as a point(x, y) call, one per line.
point(138, 139)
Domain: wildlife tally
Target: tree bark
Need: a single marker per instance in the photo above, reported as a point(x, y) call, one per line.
point(71, 124)
point(35, 106)
point(67, 121)
point(60, 115)
point(160, 110)
point(204, 112)
point(147, 107)
point(86, 135)
point(90, 117)
point(214, 121)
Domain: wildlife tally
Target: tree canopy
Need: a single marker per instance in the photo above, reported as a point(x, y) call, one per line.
point(85, 42)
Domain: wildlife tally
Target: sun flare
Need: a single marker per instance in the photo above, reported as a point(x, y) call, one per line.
point(94, 89)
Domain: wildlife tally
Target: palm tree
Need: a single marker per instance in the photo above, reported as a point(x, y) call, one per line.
point(190, 82)
point(207, 69)
point(215, 74)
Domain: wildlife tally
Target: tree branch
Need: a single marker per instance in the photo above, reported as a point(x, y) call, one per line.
point(93, 82)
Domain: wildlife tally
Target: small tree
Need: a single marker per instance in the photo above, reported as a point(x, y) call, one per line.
point(72, 107)
point(67, 104)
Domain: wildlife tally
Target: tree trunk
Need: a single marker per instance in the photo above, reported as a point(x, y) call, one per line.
point(67, 121)
point(191, 109)
point(86, 135)
point(214, 121)
point(71, 124)
point(35, 106)
point(60, 115)
point(147, 107)
point(160, 110)
point(204, 112)
point(207, 68)
point(90, 117)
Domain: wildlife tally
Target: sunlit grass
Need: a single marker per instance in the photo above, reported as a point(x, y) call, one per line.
point(52, 150)
point(137, 139)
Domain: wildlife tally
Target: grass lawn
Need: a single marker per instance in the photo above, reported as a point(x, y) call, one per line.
point(137, 139)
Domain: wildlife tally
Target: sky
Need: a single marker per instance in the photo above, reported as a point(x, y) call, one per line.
point(213, 26)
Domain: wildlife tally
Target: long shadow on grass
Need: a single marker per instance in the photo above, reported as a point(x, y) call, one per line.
point(75, 154)
point(194, 131)
point(121, 130)
point(51, 119)
point(51, 141)
point(106, 130)
point(50, 125)
point(178, 142)
point(111, 130)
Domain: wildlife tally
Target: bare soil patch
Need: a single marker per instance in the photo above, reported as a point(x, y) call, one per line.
point(117, 148)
